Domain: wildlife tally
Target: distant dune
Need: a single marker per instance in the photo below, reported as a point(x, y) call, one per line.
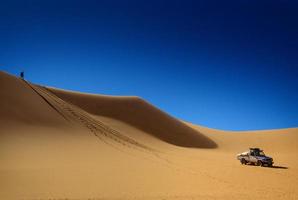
point(57, 144)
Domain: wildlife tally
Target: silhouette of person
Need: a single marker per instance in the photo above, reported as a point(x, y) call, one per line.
point(22, 75)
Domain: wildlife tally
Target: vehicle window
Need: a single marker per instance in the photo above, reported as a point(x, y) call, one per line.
point(262, 153)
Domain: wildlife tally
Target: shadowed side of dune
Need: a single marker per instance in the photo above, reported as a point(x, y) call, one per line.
point(140, 114)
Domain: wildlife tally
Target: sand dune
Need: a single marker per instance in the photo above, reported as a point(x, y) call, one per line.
point(140, 114)
point(57, 144)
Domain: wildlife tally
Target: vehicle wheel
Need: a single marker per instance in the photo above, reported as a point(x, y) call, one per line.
point(259, 163)
point(243, 161)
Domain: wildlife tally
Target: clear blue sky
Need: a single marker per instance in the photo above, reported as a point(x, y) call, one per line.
point(223, 64)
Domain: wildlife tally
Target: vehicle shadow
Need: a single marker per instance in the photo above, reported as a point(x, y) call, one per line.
point(274, 166)
point(278, 167)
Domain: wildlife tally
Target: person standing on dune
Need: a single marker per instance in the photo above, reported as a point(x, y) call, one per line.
point(22, 74)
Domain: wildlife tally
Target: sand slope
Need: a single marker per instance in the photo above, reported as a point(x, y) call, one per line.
point(140, 114)
point(22, 105)
point(68, 145)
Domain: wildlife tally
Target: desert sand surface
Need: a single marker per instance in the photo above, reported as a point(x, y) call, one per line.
point(57, 144)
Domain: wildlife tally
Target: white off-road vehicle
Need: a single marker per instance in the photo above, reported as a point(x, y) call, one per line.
point(255, 156)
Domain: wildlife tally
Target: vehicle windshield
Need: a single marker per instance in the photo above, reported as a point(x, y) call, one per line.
point(260, 153)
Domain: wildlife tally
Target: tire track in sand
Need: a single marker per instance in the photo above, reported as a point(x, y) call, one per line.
point(72, 113)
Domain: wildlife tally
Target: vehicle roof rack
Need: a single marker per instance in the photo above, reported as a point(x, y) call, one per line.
point(255, 149)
